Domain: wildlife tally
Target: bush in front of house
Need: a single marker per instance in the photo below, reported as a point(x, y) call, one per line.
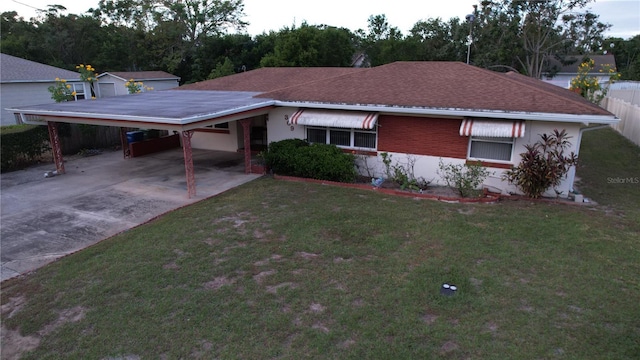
point(22, 144)
point(543, 165)
point(295, 157)
point(465, 178)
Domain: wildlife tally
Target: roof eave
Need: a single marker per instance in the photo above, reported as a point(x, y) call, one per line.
point(104, 118)
point(456, 112)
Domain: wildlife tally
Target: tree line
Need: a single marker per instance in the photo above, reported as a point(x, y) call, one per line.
point(203, 39)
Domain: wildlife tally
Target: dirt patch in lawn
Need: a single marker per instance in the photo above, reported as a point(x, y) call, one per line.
point(13, 344)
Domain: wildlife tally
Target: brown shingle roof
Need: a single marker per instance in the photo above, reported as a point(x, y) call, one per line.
point(440, 85)
point(143, 75)
point(269, 79)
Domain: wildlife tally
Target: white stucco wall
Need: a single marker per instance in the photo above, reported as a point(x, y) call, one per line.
point(278, 129)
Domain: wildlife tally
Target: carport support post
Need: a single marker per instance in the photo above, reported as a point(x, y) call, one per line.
point(188, 162)
point(246, 129)
point(56, 149)
point(125, 143)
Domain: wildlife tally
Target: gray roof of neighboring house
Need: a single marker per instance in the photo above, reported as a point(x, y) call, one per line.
point(141, 75)
point(16, 70)
point(569, 64)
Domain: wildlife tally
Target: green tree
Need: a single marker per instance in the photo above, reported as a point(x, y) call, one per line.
point(526, 33)
point(222, 69)
point(311, 46)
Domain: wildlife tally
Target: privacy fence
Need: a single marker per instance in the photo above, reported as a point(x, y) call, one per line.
point(629, 114)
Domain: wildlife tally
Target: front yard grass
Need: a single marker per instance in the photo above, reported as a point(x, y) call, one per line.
point(277, 269)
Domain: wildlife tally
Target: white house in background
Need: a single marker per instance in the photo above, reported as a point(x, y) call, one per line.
point(113, 83)
point(25, 82)
point(561, 74)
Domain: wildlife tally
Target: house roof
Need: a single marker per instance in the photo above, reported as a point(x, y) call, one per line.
point(141, 75)
point(438, 85)
point(452, 89)
point(15, 69)
point(269, 79)
point(572, 62)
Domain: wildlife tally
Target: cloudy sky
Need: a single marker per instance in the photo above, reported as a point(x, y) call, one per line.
point(265, 15)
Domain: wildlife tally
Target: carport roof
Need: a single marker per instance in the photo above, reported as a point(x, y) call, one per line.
point(168, 107)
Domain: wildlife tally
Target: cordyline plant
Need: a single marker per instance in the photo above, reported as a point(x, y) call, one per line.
point(543, 165)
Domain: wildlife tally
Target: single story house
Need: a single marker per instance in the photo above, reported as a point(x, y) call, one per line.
point(426, 111)
point(561, 72)
point(112, 83)
point(25, 82)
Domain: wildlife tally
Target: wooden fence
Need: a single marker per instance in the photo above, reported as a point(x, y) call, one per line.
point(75, 138)
point(629, 114)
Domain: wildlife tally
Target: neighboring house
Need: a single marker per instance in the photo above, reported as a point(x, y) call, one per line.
point(419, 111)
point(25, 82)
point(561, 73)
point(112, 83)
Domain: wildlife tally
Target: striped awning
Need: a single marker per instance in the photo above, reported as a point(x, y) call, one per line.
point(491, 128)
point(337, 119)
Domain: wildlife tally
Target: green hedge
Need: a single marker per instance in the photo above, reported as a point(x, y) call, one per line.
point(22, 144)
point(295, 157)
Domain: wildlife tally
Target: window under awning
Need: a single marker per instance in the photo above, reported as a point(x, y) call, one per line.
point(490, 128)
point(337, 119)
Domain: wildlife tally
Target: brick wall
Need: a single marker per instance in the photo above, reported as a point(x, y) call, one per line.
point(422, 136)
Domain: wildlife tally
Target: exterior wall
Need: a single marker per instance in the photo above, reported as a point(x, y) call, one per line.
point(564, 80)
point(217, 141)
point(421, 136)
point(21, 94)
point(118, 85)
point(424, 141)
point(278, 129)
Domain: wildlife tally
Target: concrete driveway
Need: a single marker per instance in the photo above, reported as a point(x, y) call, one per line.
point(43, 219)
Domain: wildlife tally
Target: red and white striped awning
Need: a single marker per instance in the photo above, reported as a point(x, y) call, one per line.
point(337, 119)
point(491, 128)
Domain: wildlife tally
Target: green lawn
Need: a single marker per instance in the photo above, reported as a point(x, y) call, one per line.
point(280, 270)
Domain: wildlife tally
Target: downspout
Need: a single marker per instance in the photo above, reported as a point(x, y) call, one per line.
point(572, 175)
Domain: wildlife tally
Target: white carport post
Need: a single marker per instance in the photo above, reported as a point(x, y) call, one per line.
point(188, 162)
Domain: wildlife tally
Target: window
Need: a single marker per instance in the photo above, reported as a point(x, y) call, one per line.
point(79, 90)
point(349, 138)
point(491, 148)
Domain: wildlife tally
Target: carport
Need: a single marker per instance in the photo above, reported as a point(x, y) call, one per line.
point(180, 112)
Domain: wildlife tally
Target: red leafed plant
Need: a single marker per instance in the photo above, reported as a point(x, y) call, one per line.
point(543, 165)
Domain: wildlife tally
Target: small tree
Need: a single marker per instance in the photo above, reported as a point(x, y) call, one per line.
point(87, 74)
point(543, 165)
point(134, 87)
point(588, 86)
point(61, 91)
point(464, 178)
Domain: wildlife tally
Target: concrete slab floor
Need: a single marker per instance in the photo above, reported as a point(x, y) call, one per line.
point(43, 219)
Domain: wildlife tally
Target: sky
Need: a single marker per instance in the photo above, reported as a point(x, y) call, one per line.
point(266, 15)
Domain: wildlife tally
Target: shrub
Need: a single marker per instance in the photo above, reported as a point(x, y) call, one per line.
point(403, 174)
point(543, 165)
point(296, 157)
point(22, 144)
point(464, 178)
point(280, 155)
